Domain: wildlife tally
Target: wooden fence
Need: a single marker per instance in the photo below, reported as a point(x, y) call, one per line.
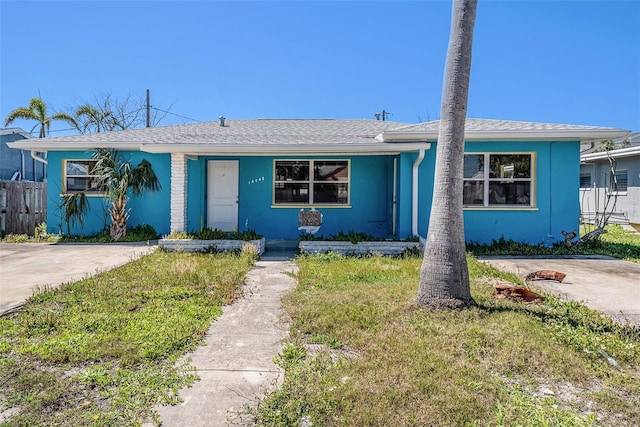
point(23, 205)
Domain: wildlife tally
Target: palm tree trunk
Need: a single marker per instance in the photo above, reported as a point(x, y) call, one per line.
point(119, 217)
point(444, 275)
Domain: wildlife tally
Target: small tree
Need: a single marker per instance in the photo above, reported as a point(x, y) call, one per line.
point(75, 207)
point(117, 177)
point(91, 120)
point(106, 113)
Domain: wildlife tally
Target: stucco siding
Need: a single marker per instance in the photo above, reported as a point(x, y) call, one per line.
point(150, 208)
point(556, 206)
point(12, 160)
point(625, 204)
point(369, 210)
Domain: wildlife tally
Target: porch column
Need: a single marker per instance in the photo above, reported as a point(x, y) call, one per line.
point(178, 192)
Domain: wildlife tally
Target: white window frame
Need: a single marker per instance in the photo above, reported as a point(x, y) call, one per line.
point(618, 191)
point(588, 187)
point(486, 180)
point(311, 183)
point(66, 176)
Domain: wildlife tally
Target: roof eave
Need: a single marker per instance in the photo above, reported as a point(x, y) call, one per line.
point(44, 145)
point(521, 135)
point(16, 131)
point(622, 152)
point(281, 149)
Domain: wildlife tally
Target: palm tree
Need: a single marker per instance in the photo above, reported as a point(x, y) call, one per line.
point(91, 120)
point(117, 177)
point(37, 111)
point(444, 275)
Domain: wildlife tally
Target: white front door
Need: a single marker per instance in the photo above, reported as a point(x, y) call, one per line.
point(222, 195)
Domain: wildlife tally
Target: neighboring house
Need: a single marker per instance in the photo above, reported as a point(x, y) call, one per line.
point(598, 186)
point(17, 164)
point(376, 177)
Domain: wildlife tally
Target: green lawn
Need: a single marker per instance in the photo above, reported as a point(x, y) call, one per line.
point(617, 242)
point(361, 353)
point(102, 351)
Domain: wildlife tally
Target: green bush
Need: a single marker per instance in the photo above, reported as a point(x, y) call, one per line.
point(139, 233)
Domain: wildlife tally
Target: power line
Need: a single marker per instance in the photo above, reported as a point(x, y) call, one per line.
point(61, 130)
point(177, 115)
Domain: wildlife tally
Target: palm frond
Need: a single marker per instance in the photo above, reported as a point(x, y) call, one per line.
point(20, 113)
point(75, 207)
point(144, 178)
point(38, 106)
point(65, 117)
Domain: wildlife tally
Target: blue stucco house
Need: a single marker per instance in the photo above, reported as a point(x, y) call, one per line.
point(521, 178)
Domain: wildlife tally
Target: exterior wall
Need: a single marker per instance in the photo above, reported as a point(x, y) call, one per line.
point(150, 208)
point(555, 183)
point(627, 203)
point(11, 160)
point(370, 197)
point(405, 190)
point(556, 205)
point(556, 208)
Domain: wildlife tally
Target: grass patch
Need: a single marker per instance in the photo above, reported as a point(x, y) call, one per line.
point(617, 243)
point(361, 353)
point(102, 351)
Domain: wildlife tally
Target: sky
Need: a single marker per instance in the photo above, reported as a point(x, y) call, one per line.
point(572, 62)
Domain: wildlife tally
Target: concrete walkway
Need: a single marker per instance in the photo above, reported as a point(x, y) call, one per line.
point(236, 363)
point(602, 283)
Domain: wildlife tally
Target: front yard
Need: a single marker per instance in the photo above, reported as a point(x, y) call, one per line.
point(101, 352)
point(361, 353)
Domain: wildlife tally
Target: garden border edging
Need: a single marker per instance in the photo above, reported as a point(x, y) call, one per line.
point(197, 245)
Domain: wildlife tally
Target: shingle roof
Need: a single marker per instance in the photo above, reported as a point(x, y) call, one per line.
point(492, 125)
point(258, 131)
point(306, 135)
point(505, 130)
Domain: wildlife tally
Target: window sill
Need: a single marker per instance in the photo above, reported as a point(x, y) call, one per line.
point(500, 208)
point(311, 206)
point(86, 194)
point(617, 193)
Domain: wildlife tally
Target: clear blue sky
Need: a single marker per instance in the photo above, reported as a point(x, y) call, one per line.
point(575, 62)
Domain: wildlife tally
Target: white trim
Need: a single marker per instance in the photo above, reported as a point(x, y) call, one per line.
point(414, 193)
point(46, 144)
point(486, 180)
point(16, 131)
point(623, 152)
point(178, 193)
point(34, 156)
point(400, 136)
point(285, 149)
point(394, 196)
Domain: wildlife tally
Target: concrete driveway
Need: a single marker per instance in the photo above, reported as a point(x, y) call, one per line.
point(25, 266)
point(602, 283)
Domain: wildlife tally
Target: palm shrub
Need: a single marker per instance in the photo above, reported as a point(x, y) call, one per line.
point(117, 177)
point(75, 207)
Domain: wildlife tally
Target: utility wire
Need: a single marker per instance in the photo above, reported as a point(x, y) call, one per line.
point(177, 115)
